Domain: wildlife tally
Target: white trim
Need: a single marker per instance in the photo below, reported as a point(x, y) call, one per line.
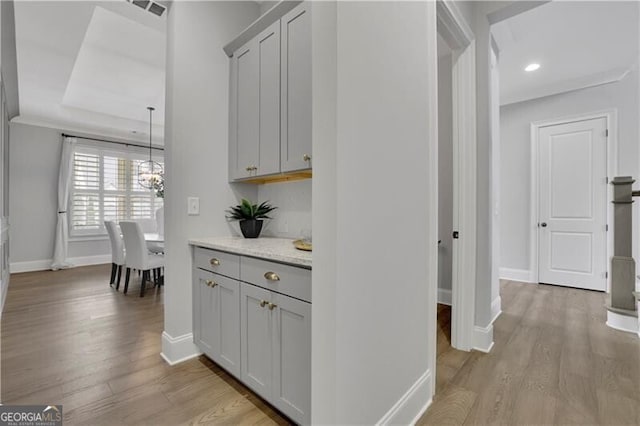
point(496, 309)
point(45, 264)
point(412, 405)
point(622, 322)
point(464, 211)
point(521, 275)
point(566, 86)
point(457, 32)
point(444, 296)
point(611, 115)
point(178, 349)
point(483, 338)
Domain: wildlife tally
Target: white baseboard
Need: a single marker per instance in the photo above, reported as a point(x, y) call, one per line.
point(45, 264)
point(521, 275)
point(496, 309)
point(178, 349)
point(483, 338)
point(444, 296)
point(412, 405)
point(622, 322)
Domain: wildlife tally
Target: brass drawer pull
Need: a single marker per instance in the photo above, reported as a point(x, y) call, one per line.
point(251, 168)
point(271, 276)
point(214, 262)
point(262, 303)
point(211, 283)
point(272, 305)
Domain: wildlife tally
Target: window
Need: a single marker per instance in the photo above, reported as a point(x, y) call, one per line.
point(105, 187)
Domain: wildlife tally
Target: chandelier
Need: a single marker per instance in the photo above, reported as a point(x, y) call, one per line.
point(150, 172)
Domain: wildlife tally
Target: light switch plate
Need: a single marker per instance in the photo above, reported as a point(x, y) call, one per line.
point(193, 206)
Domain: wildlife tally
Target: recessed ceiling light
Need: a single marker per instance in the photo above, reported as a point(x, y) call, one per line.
point(532, 67)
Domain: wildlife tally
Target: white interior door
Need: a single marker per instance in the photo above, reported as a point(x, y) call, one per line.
point(573, 204)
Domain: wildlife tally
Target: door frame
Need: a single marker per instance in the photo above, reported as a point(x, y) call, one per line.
point(460, 37)
point(611, 116)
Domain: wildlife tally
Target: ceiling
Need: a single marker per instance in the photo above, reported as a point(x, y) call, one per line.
point(91, 67)
point(578, 44)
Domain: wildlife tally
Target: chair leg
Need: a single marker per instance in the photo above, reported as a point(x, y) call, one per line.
point(126, 280)
point(145, 278)
point(113, 273)
point(119, 276)
point(155, 277)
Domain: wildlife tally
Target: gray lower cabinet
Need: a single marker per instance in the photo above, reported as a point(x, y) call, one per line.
point(276, 349)
point(253, 317)
point(217, 318)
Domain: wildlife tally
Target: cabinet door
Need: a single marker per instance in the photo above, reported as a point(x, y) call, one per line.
point(205, 331)
point(291, 357)
point(256, 339)
point(295, 115)
point(227, 321)
point(244, 119)
point(268, 43)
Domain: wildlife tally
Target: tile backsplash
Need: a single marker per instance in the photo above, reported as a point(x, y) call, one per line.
point(293, 216)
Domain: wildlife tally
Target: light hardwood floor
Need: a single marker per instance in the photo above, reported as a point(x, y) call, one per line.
point(68, 338)
point(554, 362)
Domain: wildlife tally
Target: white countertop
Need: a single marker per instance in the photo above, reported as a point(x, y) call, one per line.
point(277, 249)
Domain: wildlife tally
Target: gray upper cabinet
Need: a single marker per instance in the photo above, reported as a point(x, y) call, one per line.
point(269, 75)
point(295, 116)
point(270, 100)
point(255, 107)
point(244, 118)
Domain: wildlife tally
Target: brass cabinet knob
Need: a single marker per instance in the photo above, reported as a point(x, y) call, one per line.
point(306, 157)
point(263, 303)
point(211, 283)
point(271, 276)
point(214, 262)
point(272, 306)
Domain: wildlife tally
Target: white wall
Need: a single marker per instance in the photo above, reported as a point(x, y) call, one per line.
point(293, 215)
point(196, 143)
point(516, 145)
point(380, 304)
point(34, 162)
point(445, 175)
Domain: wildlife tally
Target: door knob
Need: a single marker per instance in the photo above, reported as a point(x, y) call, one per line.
point(543, 224)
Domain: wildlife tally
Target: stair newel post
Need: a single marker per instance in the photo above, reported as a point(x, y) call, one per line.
point(623, 266)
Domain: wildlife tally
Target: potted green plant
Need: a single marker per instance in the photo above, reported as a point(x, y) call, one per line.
point(250, 216)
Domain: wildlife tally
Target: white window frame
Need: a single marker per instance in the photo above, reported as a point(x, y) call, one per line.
point(128, 153)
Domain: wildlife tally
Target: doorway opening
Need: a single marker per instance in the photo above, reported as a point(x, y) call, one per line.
point(560, 112)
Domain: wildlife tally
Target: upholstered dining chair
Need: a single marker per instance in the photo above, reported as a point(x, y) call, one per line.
point(138, 256)
point(117, 251)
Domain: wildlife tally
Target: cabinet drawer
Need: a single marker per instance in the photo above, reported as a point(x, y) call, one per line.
point(288, 280)
point(217, 261)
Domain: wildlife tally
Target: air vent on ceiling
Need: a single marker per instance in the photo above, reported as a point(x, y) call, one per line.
point(150, 6)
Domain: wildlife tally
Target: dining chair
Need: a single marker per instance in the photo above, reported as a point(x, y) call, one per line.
point(117, 251)
point(138, 256)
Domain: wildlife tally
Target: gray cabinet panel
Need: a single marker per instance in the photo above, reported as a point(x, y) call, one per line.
point(292, 357)
point(269, 124)
point(295, 114)
point(244, 131)
point(256, 339)
point(216, 322)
